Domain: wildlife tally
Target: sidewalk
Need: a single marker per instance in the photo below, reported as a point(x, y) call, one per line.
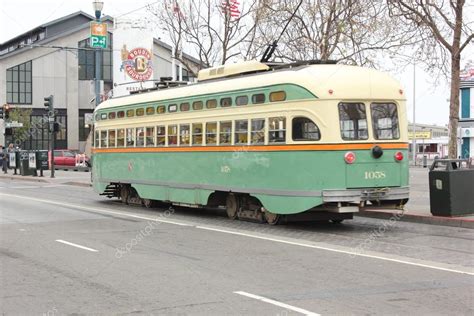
point(79, 178)
point(417, 209)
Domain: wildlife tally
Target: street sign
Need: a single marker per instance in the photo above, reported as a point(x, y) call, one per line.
point(420, 135)
point(98, 37)
point(13, 124)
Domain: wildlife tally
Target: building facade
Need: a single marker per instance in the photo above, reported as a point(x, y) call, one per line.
point(56, 59)
point(466, 121)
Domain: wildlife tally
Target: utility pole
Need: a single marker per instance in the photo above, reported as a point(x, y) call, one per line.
point(98, 6)
point(414, 117)
point(48, 103)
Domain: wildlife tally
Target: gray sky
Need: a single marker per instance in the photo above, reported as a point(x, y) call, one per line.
point(19, 16)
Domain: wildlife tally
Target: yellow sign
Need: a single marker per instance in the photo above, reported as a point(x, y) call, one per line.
point(98, 29)
point(420, 135)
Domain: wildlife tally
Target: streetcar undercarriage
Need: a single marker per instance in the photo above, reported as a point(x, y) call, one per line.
point(338, 204)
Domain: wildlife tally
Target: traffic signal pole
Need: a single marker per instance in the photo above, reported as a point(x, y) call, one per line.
point(49, 103)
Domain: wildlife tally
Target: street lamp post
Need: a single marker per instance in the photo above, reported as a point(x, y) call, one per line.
point(98, 6)
point(414, 117)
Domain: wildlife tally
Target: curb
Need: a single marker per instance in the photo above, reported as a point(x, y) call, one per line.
point(423, 219)
point(30, 178)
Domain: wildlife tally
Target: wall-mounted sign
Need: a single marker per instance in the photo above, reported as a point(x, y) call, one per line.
point(133, 56)
point(420, 135)
point(467, 132)
point(137, 63)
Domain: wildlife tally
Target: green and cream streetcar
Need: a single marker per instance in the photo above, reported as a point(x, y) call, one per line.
point(314, 140)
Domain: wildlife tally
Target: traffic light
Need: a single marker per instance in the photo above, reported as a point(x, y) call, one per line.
point(48, 103)
point(5, 112)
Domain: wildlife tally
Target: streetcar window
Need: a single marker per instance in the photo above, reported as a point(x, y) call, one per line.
point(225, 133)
point(277, 96)
point(150, 110)
point(353, 121)
point(172, 108)
point(172, 135)
point(120, 114)
point(258, 98)
point(257, 131)
point(120, 137)
point(197, 134)
point(140, 112)
point(130, 137)
point(161, 109)
point(160, 136)
point(184, 134)
point(225, 102)
point(385, 120)
point(103, 116)
point(140, 138)
point(103, 139)
point(305, 129)
point(242, 100)
point(211, 133)
point(150, 137)
point(130, 113)
point(241, 128)
point(277, 129)
point(184, 107)
point(112, 138)
point(111, 115)
point(97, 117)
point(211, 104)
point(197, 105)
point(96, 141)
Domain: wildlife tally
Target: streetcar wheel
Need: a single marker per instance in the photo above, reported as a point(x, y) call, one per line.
point(124, 194)
point(148, 203)
point(271, 218)
point(232, 206)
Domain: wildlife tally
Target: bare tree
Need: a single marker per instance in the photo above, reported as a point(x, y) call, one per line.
point(208, 29)
point(350, 31)
point(444, 31)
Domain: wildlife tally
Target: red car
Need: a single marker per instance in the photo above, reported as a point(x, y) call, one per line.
point(63, 157)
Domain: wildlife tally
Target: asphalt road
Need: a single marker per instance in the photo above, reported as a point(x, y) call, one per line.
point(65, 250)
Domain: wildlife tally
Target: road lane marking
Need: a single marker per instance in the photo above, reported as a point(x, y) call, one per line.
point(409, 261)
point(76, 245)
point(276, 303)
point(283, 240)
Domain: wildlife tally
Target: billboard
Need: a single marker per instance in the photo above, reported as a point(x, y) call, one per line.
point(133, 56)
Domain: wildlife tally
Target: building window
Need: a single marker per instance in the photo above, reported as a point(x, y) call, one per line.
point(86, 61)
point(85, 122)
point(19, 84)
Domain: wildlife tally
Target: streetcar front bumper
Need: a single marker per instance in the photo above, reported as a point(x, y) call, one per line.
point(366, 194)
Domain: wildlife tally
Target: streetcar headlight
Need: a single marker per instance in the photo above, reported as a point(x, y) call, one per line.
point(398, 156)
point(349, 157)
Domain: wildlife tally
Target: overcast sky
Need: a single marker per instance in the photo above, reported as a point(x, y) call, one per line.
point(19, 16)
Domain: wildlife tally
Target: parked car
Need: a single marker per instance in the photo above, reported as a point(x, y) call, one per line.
point(63, 157)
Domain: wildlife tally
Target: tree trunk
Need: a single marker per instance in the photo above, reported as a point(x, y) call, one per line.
point(454, 106)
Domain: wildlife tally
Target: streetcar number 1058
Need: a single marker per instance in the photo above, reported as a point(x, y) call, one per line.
point(375, 175)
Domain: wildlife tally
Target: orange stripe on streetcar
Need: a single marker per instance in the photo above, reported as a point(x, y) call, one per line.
point(252, 148)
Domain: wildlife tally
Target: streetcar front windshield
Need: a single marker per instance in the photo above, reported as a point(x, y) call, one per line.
point(385, 121)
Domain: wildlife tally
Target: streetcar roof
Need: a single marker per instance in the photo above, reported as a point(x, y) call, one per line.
point(334, 81)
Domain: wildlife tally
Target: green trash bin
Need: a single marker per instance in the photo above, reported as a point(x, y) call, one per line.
point(451, 187)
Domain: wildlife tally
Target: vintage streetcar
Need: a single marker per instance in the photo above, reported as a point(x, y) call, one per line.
point(265, 141)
